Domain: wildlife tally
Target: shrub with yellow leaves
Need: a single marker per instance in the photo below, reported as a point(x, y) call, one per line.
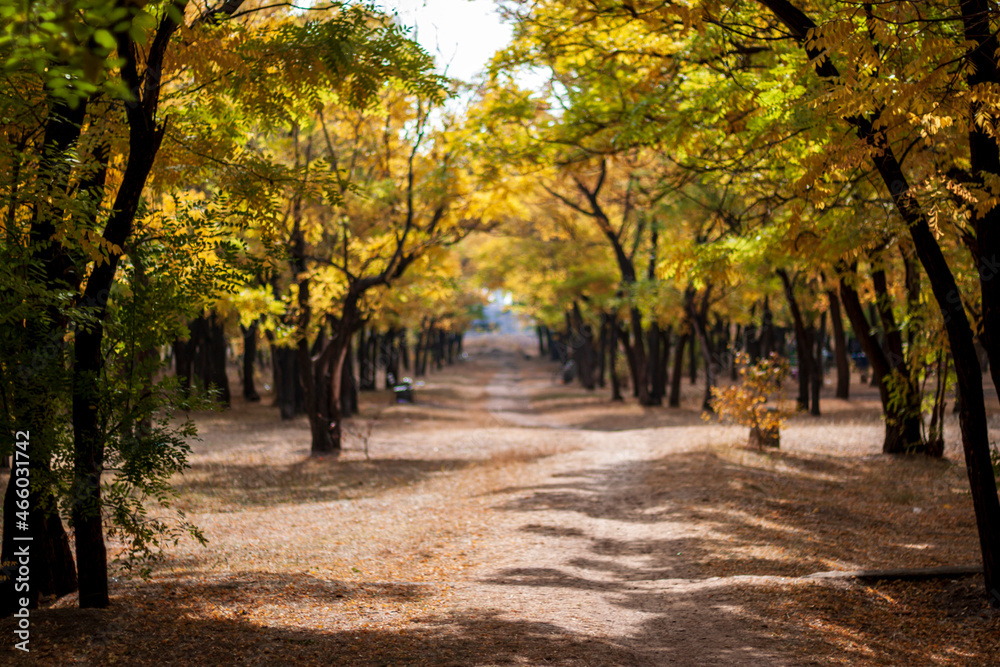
point(748, 402)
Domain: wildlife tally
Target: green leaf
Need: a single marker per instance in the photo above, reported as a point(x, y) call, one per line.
point(105, 39)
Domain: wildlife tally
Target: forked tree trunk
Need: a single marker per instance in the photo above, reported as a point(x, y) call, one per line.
point(904, 387)
point(902, 429)
point(698, 316)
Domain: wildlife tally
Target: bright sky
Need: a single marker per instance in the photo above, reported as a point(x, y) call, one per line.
point(462, 35)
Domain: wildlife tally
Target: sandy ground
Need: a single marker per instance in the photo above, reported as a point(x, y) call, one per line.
point(507, 519)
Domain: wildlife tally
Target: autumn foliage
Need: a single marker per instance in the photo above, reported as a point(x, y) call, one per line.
point(748, 402)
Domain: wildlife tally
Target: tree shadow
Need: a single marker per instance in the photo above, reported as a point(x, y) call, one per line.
point(167, 624)
point(776, 514)
point(714, 541)
point(250, 485)
point(169, 632)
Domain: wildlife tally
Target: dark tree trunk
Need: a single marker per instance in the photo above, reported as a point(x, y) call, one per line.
point(145, 136)
point(348, 383)
point(427, 346)
point(404, 349)
point(737, 346)
point(249, 355)
point(655, 384)
point(678, 370)
point(804, 333)
point(602, 351)
point(88, 525)
point(439, 351)
point(286, 380)
point(902, 431)
point(698, 316)
point(907, 391)
point(839, 347)
point(392, 355)
point(51, 570)
point(751, 343)
point(217, 347)
point(541, 341)
point(418, 352)
point(452, 345)
point(190, 355)
point(583, 348)
point(693, 359)
point(668, 337)
point(612, 335)
point(366, 364)
point(804, 370)
point(626, 343)
point(935, 430)
point(658, 390)
point(816, 380)
point(767, 334)
point(183, 366)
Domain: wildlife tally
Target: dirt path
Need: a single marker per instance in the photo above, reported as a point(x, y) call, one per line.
point(506, 519)
point(567, 550)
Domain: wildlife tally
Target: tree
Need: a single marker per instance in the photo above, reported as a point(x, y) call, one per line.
point(79, 186)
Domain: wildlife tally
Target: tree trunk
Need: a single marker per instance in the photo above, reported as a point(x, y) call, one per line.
point(418, 351)
point(88, 464)
point(907, 391)
point(816, 381)
point(404, 349)
point(693, 358)
point(348, 383)
point(583, 348)
point(392, 355)
point(616, 393)
point(804, 344)
point(678, 370)
point(902, 431)
point(217, 347)
point(286, 380)
point(839, 347)
point(183, 366)
point(249, 356)
point(767, 334)
point(935, 430)
point(654, 343)
point(51, 570)
point(737, 346)
point(602, 350)
point(699, 319)
point(367, 352)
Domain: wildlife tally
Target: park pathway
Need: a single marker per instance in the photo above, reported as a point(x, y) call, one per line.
point(580, 550)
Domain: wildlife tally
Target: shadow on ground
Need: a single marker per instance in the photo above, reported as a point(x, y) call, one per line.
point(158, 624)
point(249, 485)
point(777, 513)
